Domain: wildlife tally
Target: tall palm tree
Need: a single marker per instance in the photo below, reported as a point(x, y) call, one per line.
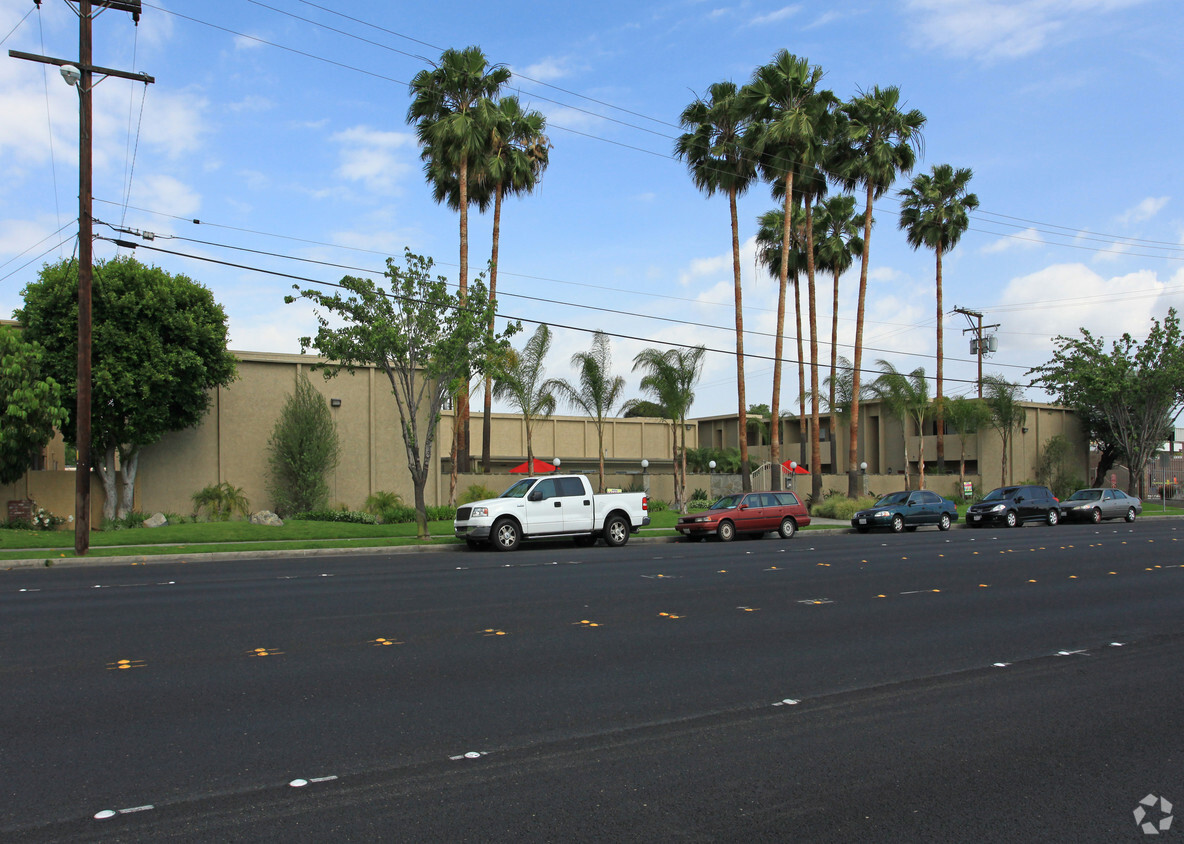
point(719, 159)
point(836, 240)
point(784, 99)
point(934, 211)
point(907, 396)
point(520, 382)
point(1007, 413)
point(450, 106)
point(519, 151)
point(880, 142)
point(599, 391)
point(670, 377)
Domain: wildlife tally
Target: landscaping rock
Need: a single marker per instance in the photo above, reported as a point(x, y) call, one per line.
point(156, 520)
point(266, 517)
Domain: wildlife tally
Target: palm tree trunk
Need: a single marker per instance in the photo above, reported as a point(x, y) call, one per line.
point(815, 447)
point(462, 400)
point(920, 455)
point(487, 419)
point(941, 433)
point(745, 476)
point(779, 343)
point(834, 370)
point(600, 451)
point(853, 447)
point(803, 436)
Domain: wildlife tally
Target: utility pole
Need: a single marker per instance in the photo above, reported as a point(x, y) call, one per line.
point(980, 343)
point(82, 76)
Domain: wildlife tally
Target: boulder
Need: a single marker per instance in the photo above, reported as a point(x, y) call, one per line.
point(156, 520)
point(266, 517)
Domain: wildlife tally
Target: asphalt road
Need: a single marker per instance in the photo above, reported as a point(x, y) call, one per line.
point(975, 685)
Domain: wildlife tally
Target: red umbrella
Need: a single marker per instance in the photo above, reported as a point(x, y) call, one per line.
point(797, 470)
point(539, 467)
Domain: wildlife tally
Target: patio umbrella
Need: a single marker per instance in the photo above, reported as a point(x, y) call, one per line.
point(798, 470)
point(539, 467)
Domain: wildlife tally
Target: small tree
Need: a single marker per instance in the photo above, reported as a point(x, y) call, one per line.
point(1006, 413)
point(966, 416)
point(907, 396)
point(303, 449)
point(520, 382)
point(420, 335)
point(598, 392)
point(30, 405)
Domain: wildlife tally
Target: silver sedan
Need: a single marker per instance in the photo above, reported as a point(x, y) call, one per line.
point(1093, 505)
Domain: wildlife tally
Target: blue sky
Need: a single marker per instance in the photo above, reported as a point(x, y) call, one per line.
point(1067, 111)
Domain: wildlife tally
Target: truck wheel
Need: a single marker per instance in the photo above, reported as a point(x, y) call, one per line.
point(726, 531)
point(506, 535)
point(616, 531)
point(788, 528)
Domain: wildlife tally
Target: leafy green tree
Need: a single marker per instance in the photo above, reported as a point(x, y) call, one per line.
point(907, 397)
point(158, 351)
point(302, 450)
point(30, 405)
point(598, 393)
point(934, 211)
point(670, 377)
point(421, 336)
point(643, 409)
point(720, 159)
point(966, 416)
point(1004, 401)
point(1128, 395)
point(880, 142)
point(519, 381)
point(787, 132)
point(452, 109)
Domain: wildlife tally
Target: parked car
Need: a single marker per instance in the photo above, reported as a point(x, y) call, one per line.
point(549, 507)
point(1093, 505)
point(907, 511)
point(1014, 505)
point(753, 513)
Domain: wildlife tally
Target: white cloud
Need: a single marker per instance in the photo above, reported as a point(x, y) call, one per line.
point(160, 191)
point(1027, 239)
point(547, 70)
point(174, 121)
point(374, 158)
point(1144, 211)
point(784, 13)
point(251, 102)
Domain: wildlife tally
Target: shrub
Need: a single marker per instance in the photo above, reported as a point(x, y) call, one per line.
point(380, 503)
point(303, 448)
point(838, 506)
point(657, 505)
point(476, 492)
point(696, 504)
point(220, 501)
point(700, 494)
point(438, 514)
point(130, 521)
point(45, 520)
point(355, 517)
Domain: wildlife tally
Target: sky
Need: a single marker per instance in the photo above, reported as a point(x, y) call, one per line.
point(281, 126)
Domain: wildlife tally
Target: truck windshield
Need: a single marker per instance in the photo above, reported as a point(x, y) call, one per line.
point(519, 489)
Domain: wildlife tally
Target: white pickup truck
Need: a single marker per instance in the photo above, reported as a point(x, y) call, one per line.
point(552, 506)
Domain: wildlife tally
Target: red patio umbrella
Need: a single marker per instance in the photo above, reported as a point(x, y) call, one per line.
point(797, 470)
point(539, 467)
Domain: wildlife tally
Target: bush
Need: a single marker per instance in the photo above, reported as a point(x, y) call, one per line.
point(45, 520)
point(438, 514)
point(700, 495)
point(220, 501)
point(383, 506)
point(476, 492)
point(839, 506)
point(657, 505)
point(696, 504)
point(303, 448)
point(130, 521)
point(348, 516)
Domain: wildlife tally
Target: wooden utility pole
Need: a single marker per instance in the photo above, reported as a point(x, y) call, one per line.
point(980, 344)
point(84, 80)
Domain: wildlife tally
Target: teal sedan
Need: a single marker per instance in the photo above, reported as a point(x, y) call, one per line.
point(907, 510)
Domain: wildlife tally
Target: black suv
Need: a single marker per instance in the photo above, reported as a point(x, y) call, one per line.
point(1014, 505)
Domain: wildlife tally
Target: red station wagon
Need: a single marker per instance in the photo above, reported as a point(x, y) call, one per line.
point(754, 513)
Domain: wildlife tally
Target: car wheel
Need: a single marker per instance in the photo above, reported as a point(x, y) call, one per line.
point(1011, 519)
point(788, 528)
point(1053, 516)
point(1130, 514)
point(944, 523)
point(616, 531)
point(506, 535)
point(726, 531)
point(1095, 516)
point(897, 524)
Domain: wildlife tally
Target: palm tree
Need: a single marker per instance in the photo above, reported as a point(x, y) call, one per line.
point(719, 159)
point(598, 393)
point(1003, 401)
point(784, 99)
point(519, 380)
point(907, 396)
point(836, 239)
point(934, 212)
point(450, 107)
point(518, 154)
point(880, 142)
point(965, 416)
point(670, 377)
